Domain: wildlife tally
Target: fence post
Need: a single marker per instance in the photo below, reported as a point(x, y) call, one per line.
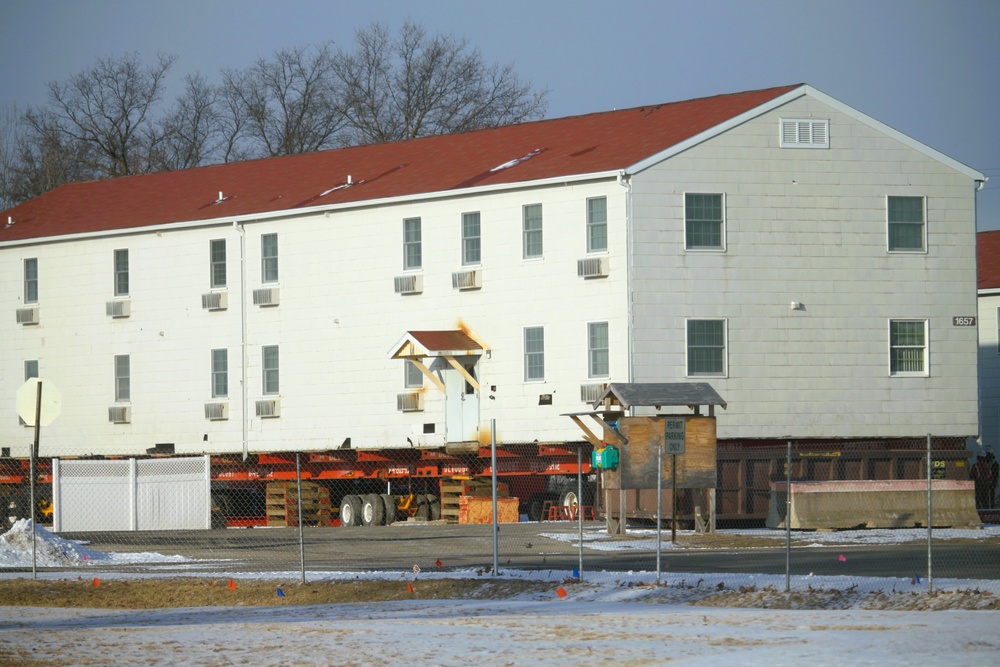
point(659, 510)
point(579, 506)
point(930, 518)
point(496, 525)
point(788, 519)
point(302, 544)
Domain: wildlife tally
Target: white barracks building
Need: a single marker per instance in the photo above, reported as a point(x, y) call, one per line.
point(804, 259)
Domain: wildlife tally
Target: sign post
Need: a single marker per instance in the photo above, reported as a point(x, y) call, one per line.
point(674, 438)
point(37, 412)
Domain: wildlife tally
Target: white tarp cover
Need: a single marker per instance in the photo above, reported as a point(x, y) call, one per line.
point(131, 494)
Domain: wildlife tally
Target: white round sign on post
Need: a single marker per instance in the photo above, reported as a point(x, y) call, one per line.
point(27, 400)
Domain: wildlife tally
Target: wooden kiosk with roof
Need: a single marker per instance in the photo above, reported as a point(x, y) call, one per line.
point(626, 453)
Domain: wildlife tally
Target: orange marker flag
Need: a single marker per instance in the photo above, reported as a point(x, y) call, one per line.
point(561, 592)
point(409, 587)
point(439, 563)
point(232, 585)
point(97, 582)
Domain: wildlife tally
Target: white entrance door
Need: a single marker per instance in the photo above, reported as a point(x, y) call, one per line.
point(461, 405)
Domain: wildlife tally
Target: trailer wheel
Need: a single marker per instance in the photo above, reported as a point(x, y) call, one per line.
point(390, 508)
point(433, 507)
point(423, 508)
point(350, 511)
point(568, 496)
point(372, 510)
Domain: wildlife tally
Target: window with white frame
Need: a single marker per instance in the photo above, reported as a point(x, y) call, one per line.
point(706, 347)
point(805, 133)
point(269, 258)
point(121, 272)
point(471, 240)
point(907, 347)
point(906, 225)
point(31, 280)
point(217, 263)
point(704, 222)
point(534, 353)
point(269, 363)
point(220, 373)
point(30, 371)
point(412, 249)
point(123, 378)
point(532, 230)
point(413, 378)
point(597, 350)
point(597, 224)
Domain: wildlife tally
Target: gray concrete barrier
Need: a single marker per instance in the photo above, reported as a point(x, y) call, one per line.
point(873, 504)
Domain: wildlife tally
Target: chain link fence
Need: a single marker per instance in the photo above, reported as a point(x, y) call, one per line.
point(907, 511)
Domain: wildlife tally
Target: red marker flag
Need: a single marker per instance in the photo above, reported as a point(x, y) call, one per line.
point(439, 563)
point(842, 558)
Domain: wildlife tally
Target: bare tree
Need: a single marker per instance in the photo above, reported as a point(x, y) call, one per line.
point(286, 105)
point(9, 118)
point(191, 134)
point(105, 121)
point(44, 158)
point(107, 108)
point(415, 85)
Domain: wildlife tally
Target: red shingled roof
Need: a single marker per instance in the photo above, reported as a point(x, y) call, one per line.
point(586, 144)
point(988, 259)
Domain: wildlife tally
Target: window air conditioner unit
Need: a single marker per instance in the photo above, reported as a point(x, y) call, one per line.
point(591, 392)
point(27, 315)
point(463, 280)
point(215, 300)
point(268, 408)
point(265, 296)
point(119, 308)
point(592, 267)
point(410, 284)
point(216, 411)
point(410, 402)
point(119, 414)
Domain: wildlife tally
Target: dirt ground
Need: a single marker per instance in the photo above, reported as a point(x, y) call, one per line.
point(197, 592)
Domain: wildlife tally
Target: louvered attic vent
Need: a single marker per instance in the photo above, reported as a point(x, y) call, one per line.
point(805, 133)
point(592, 267)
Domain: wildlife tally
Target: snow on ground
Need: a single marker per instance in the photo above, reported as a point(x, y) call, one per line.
point(626, 621)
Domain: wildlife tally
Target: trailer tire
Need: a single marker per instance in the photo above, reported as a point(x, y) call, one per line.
point(433, 507)
point(372, 510)
point(390, 508)
point(350, 511)
point(423, 508)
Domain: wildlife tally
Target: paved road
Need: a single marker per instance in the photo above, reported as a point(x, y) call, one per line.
point(525, 546)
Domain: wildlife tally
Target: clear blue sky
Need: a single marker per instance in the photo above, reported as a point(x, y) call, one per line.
point(928, 68)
